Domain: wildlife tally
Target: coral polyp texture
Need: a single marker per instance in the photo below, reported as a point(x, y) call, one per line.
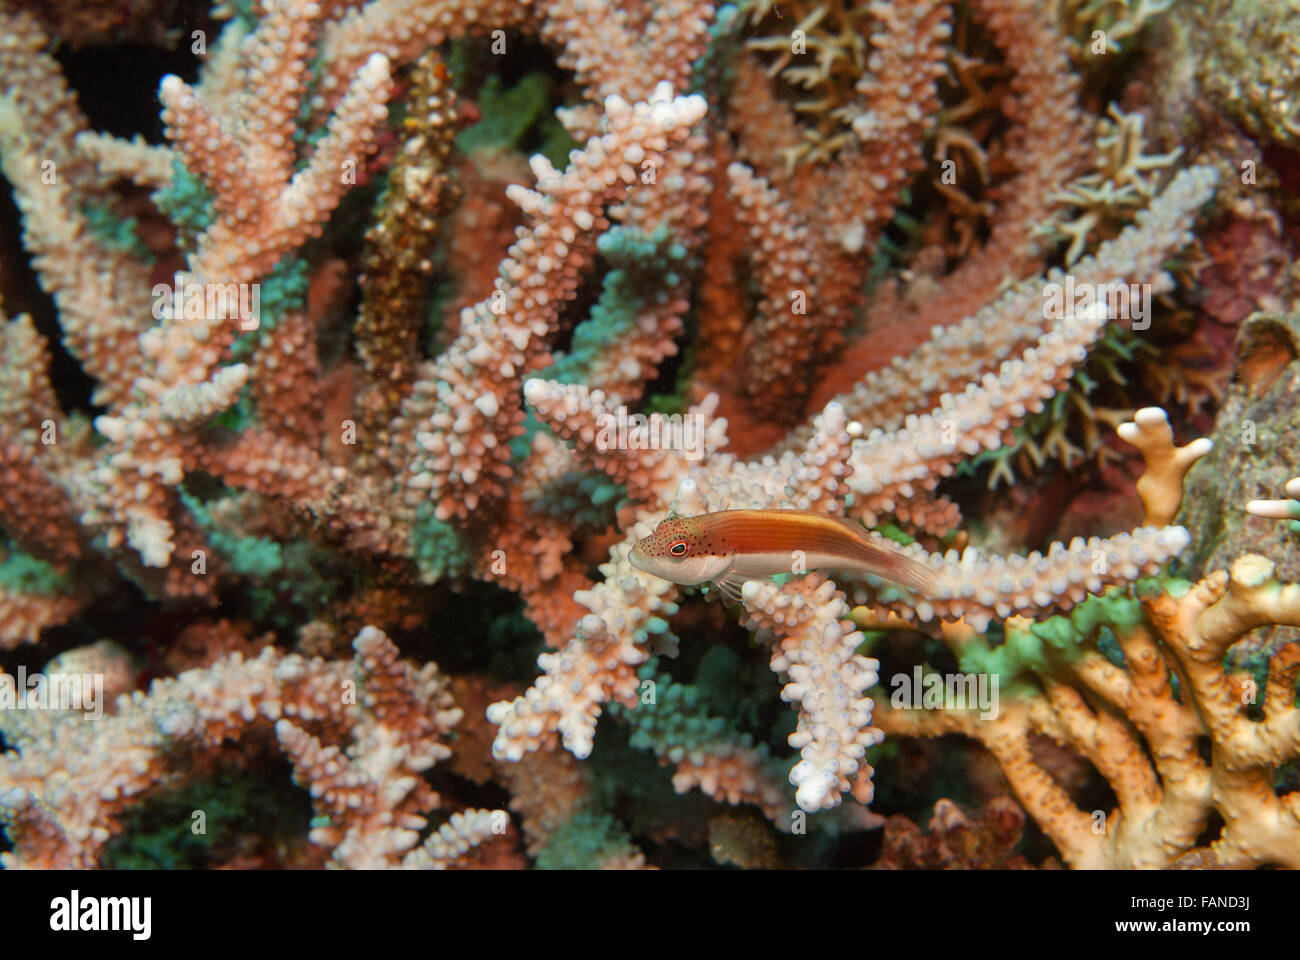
point(347, 358)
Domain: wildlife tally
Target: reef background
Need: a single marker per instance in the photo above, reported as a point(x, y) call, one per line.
point(466, 519)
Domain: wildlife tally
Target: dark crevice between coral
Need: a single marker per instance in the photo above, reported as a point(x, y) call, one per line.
point(1213, 829)
point(733, 673)
point(472, 62)
point(633, 787)
point(667, 392)
point(120, 613)
point(481, 630)
point(118, 86)
point(251, 812)
point(913, 773)
point(574, 311)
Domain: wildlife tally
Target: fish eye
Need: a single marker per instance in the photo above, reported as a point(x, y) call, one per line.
point(678, 548)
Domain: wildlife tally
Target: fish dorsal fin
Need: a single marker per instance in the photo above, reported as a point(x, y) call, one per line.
point(672, 515)
point(860, 533)
point(851, 525)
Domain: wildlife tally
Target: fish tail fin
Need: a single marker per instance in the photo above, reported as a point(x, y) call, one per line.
point(909, 573)
point(898, 567)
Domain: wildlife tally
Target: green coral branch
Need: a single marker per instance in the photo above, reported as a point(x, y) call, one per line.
point(23, 573)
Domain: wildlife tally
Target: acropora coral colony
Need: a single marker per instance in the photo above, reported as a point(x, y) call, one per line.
point(413, 316)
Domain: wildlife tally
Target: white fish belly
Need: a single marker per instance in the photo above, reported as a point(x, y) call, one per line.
point(769, 564)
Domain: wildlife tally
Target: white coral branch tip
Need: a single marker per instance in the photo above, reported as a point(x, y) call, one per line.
point(1272, 509)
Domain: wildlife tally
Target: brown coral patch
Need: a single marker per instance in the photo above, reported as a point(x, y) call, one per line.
point(953, 841)
point(1265, 348)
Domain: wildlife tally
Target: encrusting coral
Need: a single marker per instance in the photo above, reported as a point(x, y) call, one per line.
point(733, 190)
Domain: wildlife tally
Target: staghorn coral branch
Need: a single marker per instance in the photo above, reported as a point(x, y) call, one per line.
point(134, 160)
point(400, 247)
point(250, 235)
point(626, 53)
point(642, 455)
point(26, 394)
point(816, 650)
point(182, 384)
point(891, 465)
point(598, 664)
point(463, 424)
point(102, 293)
point(24, 613)
point(961, 353)
point(34, 511)
point(371, 790)
point(285, 379)
point(353, 509)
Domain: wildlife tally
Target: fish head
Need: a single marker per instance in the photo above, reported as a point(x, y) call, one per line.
point(679, 551)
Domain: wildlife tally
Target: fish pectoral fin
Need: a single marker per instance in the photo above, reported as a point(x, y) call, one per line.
point(731, 581)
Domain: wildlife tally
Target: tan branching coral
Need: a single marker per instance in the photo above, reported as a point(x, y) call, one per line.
point(1140, 721)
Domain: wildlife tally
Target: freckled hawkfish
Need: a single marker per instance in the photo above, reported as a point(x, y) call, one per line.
point(728, 547)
